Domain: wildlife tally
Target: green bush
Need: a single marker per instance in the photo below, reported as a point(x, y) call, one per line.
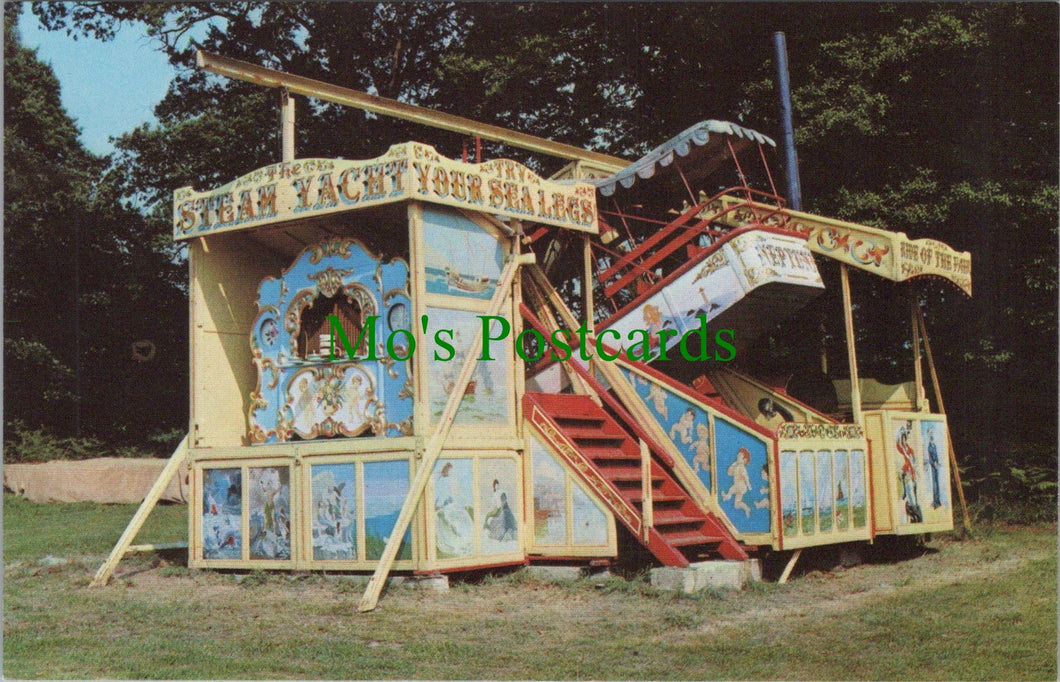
point(1021, 488)
point(24, 445)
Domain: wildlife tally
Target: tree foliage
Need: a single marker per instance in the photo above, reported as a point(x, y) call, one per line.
point(84, 278)
point(921, 118)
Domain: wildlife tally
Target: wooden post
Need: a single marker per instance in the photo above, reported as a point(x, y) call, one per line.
point(153, 495)
point(942, 410)
point(791, 565)
point(287, 125)
point(647, 514)
point(918, 370)
point(435, 443)
point(590, 318)
point(848, 322)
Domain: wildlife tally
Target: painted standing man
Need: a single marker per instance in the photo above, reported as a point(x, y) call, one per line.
point(933, 461)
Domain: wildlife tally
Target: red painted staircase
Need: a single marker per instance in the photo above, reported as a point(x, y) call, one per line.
point(608, 460)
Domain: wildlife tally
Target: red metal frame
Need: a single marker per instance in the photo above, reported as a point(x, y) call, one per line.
point(668, 279)
point(700, 228)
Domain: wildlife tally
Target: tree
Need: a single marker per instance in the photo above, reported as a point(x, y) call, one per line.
point(953, 144)
point(83, 279)
point(909, 116)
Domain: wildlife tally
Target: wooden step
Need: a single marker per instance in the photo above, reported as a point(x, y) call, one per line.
point(657, 499)
point(673, 517)
point(592, 434)
point(613, 457)
point(685, 539)
point(601, 442)
point(568, 421)
point(630, 476)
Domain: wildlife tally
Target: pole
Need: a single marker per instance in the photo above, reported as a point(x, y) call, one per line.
point(287, 124)
point(918, 370)
point(791, 164)
point(852, 357)
point(942, 410)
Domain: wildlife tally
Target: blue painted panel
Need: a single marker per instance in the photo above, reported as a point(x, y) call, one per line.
point(222, 514)
point(386, 484)
point(743, 485)
point(685, 423)
point(334, 511)
point(314, 397)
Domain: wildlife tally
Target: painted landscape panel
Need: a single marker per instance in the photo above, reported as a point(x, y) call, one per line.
point(841, 464)
point(550, 497)
point(806, 492)
point(385, 486)
point(824, 490)
point(487, 398)
point(789, 499)
point(461, 258)
point(588, 520)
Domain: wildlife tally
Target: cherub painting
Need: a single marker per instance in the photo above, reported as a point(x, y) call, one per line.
point(764, 490)
point(741, 482)
point(701, 448)
point(683, 427)
point(658, 400)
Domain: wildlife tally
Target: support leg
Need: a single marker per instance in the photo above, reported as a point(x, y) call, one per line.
point(791, 565)
point(155, 494)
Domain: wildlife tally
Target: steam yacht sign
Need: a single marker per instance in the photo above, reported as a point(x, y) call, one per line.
point(308, 188)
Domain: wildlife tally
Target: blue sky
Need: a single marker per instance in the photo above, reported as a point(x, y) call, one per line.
point(108, 87)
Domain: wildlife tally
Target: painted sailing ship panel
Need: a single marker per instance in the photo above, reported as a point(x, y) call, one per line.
point(461, 259)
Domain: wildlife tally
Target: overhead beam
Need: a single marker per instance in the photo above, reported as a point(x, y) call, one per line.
point(308, 87)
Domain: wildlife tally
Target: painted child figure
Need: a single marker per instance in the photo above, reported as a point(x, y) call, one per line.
point(683, 427)
point(764, 490)
point(701, 448)
point(658, 399)
point(741, 482)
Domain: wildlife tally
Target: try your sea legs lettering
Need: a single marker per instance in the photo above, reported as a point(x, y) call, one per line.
point(401, 343)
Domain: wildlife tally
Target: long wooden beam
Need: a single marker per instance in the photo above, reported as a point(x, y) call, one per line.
point(149, 502)
point(437, 441)
point(308, 87)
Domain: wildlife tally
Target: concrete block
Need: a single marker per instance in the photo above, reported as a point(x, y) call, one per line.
point(674, 579)
point(722, 575)
point(596, 574)
point(555, 573)
point(433, 583)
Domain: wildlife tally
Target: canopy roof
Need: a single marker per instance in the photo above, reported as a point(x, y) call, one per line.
point(703, 147)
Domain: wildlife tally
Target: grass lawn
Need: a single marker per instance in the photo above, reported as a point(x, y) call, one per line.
point(984, 608)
